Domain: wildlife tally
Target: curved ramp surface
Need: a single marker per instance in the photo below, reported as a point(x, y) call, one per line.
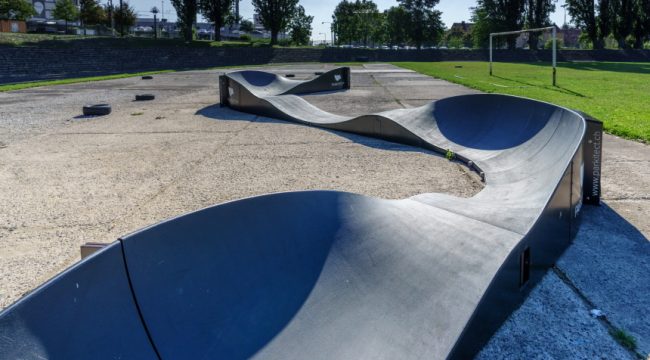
point(335, 275)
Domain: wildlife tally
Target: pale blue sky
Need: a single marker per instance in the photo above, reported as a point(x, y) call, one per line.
point(452, 11)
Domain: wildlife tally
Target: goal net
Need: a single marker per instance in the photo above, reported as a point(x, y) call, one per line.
point(507, 33)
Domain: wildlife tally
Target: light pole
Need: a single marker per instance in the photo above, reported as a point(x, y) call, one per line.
point(154, 11)
point(325, 37)
point(332, 25)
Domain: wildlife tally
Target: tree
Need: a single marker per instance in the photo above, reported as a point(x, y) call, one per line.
point(344, 22)
point(246, 26)
point(424, 23)
point(359, 21)
point(483, 26)
point(458, 36)
point(300, 26)
point(498, 15)
point(367, 18)
point(123, 17)
point(537, 16)
point(217, 11)
point(379, 34)
point(396, 25)
point(275, 15)
point(91, 13)
point(583, 13)
point(186, 13)
point(65, 10)
point(16, 9)
point(603, 23)
point(641, 27)
point(621, 16)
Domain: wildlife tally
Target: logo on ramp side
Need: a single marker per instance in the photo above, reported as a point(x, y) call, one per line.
point(337, 81)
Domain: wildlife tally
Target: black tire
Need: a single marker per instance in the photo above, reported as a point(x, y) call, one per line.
point(144, 97)
point(319, 73)
point(97, 110)
point(290, 75)
point(147, 77)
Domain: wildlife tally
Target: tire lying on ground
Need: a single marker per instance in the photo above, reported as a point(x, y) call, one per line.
point(144, 97)
point(147, 77)
point(96, 109)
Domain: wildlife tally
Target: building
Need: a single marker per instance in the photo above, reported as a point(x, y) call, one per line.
point(567, 36)
point(44, 9)
point(461, 28)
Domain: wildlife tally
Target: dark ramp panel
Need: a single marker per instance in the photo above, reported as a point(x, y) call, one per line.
point(263, 84)
point(313, 275)
point(86, 312)
point(532, 156)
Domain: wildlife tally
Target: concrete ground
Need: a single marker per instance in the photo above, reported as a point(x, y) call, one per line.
point(66, 180)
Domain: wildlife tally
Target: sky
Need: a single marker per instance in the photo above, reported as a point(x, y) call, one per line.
point(452, 11)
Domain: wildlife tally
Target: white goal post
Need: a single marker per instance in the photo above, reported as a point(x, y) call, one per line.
point(529, 30)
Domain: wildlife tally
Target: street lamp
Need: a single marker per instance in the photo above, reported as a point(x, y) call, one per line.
point(325, 37)
point(154, 11)
point(332, 30)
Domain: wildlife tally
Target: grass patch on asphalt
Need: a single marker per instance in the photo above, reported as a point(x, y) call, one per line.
point(626, 340)
point(615, 93)
point(32, 84)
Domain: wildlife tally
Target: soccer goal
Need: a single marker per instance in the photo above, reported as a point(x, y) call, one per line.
point(554, 39)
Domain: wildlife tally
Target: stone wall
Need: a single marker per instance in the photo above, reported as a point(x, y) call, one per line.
point(38, 63)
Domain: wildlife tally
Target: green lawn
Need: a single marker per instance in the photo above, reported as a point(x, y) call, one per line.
point(616, 93)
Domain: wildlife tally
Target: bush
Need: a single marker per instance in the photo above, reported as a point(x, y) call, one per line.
point(284, 42)
point(245, 37)
point(549, 43)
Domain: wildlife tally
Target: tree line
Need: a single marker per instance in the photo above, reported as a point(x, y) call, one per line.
point(89, 12)
point(410, 22)
point(628, 21)
point(276, 16)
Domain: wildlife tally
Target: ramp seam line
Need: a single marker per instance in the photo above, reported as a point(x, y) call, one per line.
point(135, 301)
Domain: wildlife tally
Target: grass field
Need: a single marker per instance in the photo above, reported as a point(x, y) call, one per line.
point(616, 93)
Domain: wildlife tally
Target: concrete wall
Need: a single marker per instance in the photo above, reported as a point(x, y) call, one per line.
point(37, 63)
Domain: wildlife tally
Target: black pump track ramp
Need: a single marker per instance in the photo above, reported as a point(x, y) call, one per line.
point(330, 274)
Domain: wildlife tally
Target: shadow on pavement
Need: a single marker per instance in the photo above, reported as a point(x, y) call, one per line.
point(609, 262)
